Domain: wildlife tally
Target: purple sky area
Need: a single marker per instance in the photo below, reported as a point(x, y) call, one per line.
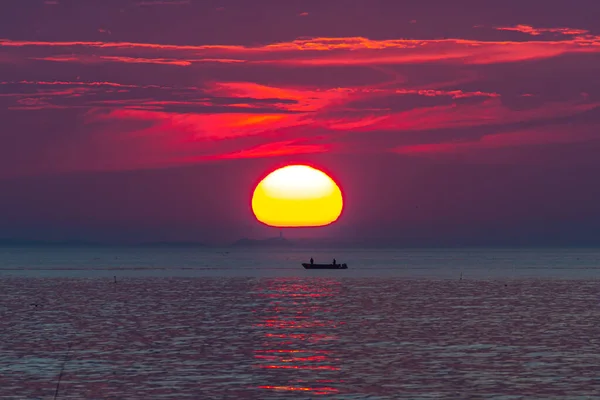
point(444, 122)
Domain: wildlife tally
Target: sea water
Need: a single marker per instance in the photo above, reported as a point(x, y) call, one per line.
point(252, 323)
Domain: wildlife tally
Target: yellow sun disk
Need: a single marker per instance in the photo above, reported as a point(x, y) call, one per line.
point(297, 196)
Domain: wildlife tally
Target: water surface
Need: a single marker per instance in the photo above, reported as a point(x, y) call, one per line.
point(399, 330)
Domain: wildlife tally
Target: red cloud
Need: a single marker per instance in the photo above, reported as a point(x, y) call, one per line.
point(238, 119)
point(189, 128)
point(306, 99)
point(490, 112)
point(274, 149)
point(85, 59)
point(307, 114)
point(335, 51)
point(138, 60)
point(79, 83)
point(539, 31)
point(498, 141)
point(179, 138)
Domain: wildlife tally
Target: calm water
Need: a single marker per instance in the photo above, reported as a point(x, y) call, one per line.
point(253, 324)
point(189, 262)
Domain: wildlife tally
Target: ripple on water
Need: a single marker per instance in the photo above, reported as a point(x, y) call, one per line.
point(310, 337)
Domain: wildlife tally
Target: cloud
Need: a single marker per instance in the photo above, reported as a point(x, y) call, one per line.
point(272, 149)
point(79, 94)
point(569, 145)
point(175, 125)
point(530, 30)
point(137, 60)
point(353, 95)
point(179, 138)
point(163, 2)
point(103, 59)
point(322, 51)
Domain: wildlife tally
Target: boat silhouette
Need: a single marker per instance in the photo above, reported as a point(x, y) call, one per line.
point(324, 266)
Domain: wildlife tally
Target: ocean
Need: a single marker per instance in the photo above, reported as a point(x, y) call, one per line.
point(237, 323)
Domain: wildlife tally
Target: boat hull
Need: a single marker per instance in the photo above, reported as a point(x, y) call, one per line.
point(324, 266)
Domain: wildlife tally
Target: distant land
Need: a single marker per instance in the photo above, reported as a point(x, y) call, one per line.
point(297, 242)
point(244, 242)
point(281, 242)
point(170, 244)
point(274, 241)
point(28, 242)
point(78, 243)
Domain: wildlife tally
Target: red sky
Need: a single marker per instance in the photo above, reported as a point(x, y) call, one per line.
point(444, 122)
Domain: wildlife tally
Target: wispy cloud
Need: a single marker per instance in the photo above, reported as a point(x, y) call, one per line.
point(192, 99)
point(137, 60)
point(333, 51)
point(163, 2)
point(352, 95)
point(271, 149)
point(534, 137)
point(530, 30)
point(83, 59)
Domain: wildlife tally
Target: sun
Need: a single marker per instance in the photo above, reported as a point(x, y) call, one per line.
point(297, 196)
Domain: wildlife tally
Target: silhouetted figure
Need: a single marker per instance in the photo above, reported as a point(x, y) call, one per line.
point(312, 261)
point(334, 261)
point(115, 279)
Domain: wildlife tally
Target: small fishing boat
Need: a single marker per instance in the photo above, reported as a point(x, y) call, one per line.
point(324, 266)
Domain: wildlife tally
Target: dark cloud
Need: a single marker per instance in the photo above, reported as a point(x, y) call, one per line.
point(33, 95)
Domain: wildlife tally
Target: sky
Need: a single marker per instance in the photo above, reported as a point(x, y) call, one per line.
point(444, 123)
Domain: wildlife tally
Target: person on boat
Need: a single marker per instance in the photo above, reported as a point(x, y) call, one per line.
point(334, 261)
point(312, 261)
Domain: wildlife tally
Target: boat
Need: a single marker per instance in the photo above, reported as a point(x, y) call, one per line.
point(324, 266)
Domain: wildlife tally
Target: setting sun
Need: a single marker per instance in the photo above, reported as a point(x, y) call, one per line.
point(297, 196)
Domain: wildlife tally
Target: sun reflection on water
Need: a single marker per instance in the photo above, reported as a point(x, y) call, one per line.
point(298, 332)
